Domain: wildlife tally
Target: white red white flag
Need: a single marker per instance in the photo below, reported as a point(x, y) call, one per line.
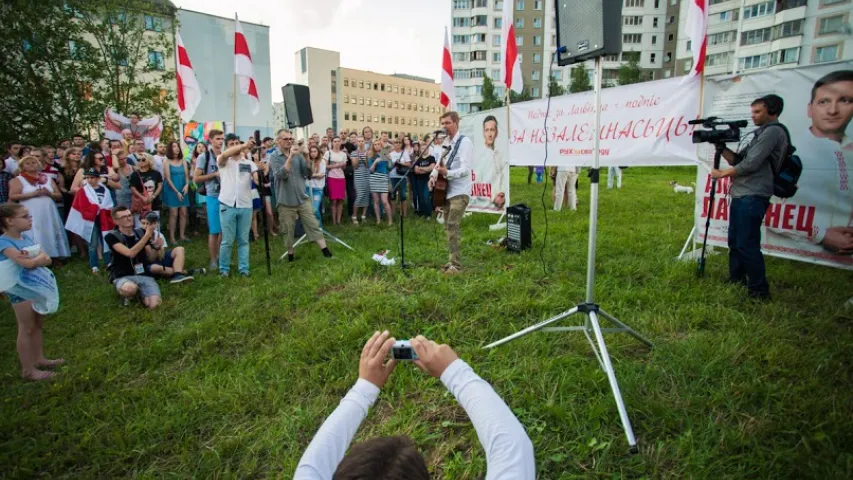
point(243, 67)
point(85, 209)
point(189, 93)
point(448, 96)
point(511, 65)
point(697, 31)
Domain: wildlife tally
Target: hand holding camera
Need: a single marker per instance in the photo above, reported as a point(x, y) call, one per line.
point(372, 365)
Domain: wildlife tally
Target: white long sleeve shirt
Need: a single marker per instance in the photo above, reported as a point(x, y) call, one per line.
point(509, 452)
point(459, 180)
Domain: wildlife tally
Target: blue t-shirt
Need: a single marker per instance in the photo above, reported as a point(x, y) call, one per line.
point(381, 168)
point(8, 242)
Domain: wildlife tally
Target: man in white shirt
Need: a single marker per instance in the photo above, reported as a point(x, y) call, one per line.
point(160, 157)
point(13, 154)
point(509, 451)
point(236, 172)
point(457, 170)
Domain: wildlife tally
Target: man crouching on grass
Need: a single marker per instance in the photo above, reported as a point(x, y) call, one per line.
point(166, 263)
point(127, 270)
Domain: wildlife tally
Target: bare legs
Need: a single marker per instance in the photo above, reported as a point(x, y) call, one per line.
point(130, 289)
point(30, 338)
point(213, 242)
point(337, 211)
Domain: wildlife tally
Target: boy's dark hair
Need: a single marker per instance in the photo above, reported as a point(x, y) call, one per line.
point(383, 458)
point(773, 103)
point(118, 210)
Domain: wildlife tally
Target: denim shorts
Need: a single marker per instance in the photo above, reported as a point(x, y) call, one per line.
point(147, 286)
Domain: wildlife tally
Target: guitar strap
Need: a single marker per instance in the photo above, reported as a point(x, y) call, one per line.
point(455, 151)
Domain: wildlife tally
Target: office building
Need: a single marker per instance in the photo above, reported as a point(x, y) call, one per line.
point(349, 99)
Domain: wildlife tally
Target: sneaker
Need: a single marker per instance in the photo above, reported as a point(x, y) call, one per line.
point(223, 274)
point(214, 266)
point(178, 278)
point(355, 220)
point(244, 274)
point(125, 301)
point(451, 270)
point(197, 271)
point(95, 271)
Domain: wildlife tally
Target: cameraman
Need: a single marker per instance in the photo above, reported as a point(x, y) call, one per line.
point(128, 270)
point(751, 189)
point(509, 452)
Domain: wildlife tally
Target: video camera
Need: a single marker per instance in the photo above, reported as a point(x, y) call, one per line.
point(730, 134)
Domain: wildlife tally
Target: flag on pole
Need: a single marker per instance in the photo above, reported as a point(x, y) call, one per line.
point(697, 31)
point(243, 66)
point(511, 65)
point(448, 97)
point(189, 93)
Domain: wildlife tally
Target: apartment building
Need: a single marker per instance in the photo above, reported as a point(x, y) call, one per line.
point(346, 98)
point(748, 35)
point(476, 44)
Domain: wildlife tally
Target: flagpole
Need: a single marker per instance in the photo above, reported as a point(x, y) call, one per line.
point(234, 90)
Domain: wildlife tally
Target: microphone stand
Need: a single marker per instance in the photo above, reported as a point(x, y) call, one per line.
point(262, 192)
point(403, 264)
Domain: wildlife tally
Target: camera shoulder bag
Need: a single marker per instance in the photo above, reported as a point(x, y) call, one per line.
point(786, 176)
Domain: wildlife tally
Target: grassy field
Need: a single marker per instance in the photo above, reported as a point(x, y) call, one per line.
point(231, 378)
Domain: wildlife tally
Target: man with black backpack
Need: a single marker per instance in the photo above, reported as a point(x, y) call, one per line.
point(206, 177)
point(753, 179)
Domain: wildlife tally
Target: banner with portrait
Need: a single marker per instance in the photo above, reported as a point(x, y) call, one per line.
point(487, 131)
point(816, 224)
point(641, 125)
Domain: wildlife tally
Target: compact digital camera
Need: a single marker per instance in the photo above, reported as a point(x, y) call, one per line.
point(402, 350)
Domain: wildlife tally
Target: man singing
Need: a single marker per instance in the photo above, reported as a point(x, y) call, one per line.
point(457, 170)
point(752, 187)
point(290, 172)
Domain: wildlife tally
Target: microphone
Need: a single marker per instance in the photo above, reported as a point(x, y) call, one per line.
point(440, 131)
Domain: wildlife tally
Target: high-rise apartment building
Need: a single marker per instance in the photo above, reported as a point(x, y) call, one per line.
point(476, 44)
point(743, 35)
point(345, 98)
point(747, 35)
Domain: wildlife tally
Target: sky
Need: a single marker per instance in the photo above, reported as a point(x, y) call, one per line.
point(384, 36)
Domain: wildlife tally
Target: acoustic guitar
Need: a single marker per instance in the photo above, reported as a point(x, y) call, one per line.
point(439, 189)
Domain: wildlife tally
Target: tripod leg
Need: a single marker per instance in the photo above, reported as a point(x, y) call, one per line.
point(626, 328)
point(336, 239)
point(614, 385)
point(533, 328)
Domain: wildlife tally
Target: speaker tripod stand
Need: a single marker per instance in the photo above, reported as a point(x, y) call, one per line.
point(325, 233)
point(589, 308)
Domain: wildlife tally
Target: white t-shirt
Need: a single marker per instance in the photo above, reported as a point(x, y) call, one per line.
point(459, 166)
point(158, 163)
point(318, 182)
point(336, 158)
point(236, 183)
point(396, 157)
point(11, 165)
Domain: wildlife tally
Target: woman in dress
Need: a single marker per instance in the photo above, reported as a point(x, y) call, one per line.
point(379, 165)
point(315, 185)
point(38, 192)
point(19, 248)
point(362, 180)
point(124, 195)
point(336, 161)
point(70, 165)
point(176, 191)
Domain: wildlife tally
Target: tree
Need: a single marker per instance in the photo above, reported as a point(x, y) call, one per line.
point(132, 40)
point(520, 97)
point(63, 63)
point(580, 80)
point(490, 99)
point(629, 73)
point(554, 88)
point(45, 86)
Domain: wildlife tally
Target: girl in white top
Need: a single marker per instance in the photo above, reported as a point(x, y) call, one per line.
point(314, 186)
point(337, 160)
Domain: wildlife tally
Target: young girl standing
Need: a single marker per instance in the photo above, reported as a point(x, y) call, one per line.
point(14, 247)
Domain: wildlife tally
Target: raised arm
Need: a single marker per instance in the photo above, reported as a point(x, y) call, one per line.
point(509, 451)
point(330, 444)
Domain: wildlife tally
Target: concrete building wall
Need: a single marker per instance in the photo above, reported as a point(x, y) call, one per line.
point(209, 41)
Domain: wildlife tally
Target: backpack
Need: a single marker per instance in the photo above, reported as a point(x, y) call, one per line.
point(785, 178)
point(202, 188)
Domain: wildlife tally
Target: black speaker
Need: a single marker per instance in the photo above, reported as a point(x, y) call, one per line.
point(518, 236)
point(297, 105)
point(588, 29)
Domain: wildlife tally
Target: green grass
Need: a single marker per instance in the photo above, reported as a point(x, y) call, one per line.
point(232, 378)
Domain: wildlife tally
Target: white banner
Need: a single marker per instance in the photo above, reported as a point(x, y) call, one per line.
point(811, 225)
point(641, 125)
point(487, 131)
